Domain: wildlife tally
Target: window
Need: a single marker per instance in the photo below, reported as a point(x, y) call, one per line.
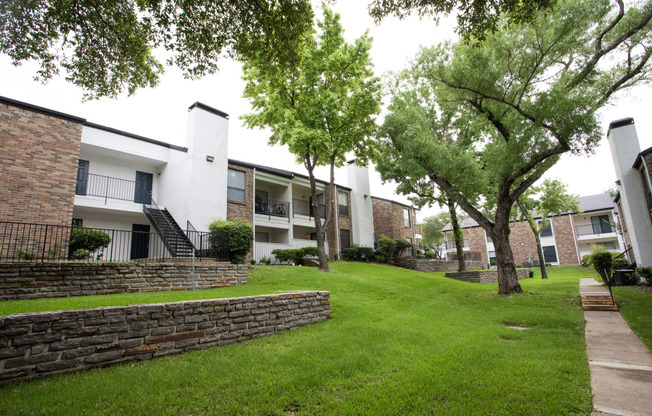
point(601, 224)
point(547, 230)
point(261, 202)
point(343, 201)
point(235, 190)
point(492, 258)
point(345, 239)
point(262, 237)
point(411, 249)
point(406, 217)
point(77, 222)
point(489, 240)
point(550, 254)
point(610, 245)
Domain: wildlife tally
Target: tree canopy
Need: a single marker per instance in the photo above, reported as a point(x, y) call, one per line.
point(484, 123)
point(474, 17)
point(107, 46)
point(323, 108)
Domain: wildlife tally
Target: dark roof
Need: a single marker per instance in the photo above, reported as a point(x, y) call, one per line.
point(137, 137)
point(280, 172)
point(589, 203)
point(209, 109)
point(642, 156)
point(393, 202)
point(41, 110)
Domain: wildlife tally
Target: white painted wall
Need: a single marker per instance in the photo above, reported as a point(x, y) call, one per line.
point(623, 142)
point(193, 188)
point(361, 210)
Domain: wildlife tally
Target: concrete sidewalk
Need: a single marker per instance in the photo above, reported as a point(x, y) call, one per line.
point(620, 364)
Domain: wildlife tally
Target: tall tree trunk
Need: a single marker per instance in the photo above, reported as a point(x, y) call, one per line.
point(320, 228)
point(458, 235)
point(535, 230)
point(507, 278)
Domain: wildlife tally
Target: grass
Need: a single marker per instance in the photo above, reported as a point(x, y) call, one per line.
point(399, 342)
point(635, 306)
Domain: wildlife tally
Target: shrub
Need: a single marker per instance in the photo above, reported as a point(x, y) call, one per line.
point(366, 253)
point(230, 240)
point(26, 254)
point(265, 260)
point(350, 254)
point(586, 260)
point(618, 263)
point(310, 251)
point(601, 260)
point(252, 262)
point(386, 248)
point(83, 240)
point(645, 273)
point(292, 254)
point(401, 245)
point(430, 255)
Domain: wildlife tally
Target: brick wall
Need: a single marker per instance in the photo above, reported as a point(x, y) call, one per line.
point(564, 240)
point(343, 223)
point(427, 265)
point(38, 166)
point(35, 345)
point(388, 220)
point(477, 244)
point(239, 211)
point(484, 276)
point(522, 242)
point(47, 280)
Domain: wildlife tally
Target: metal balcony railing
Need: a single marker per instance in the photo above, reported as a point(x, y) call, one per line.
point(593, 229)
point(272, 207)
point(451, 244)
point(301, 207)
point(108, 187)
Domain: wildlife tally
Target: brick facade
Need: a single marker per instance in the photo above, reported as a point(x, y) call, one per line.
point(39, 161)
point(243, 211)
point(477, 244)
point(389, 220)
point(340, 222)
point(524, 246)
point(36, 345)
point(565, 240)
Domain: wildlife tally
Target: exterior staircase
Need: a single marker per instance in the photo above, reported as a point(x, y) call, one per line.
point(175, 240)
point(595, 297)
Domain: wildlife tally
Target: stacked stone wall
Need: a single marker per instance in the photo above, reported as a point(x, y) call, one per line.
point(433, 266)
point(484, 276)
point(46, 280)
point(35, 345)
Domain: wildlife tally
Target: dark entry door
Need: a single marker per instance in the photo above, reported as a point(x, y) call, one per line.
point(143, 194)
point(139, 241)
point(82, 178)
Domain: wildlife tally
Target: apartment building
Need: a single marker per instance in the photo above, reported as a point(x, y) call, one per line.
point(565, 240)
point(60, 169)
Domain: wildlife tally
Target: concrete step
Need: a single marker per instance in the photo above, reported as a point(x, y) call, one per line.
point(600, 307)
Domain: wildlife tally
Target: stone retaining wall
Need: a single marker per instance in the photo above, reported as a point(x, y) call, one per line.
point(49, 280)
point(34, 345)
point(484, 276)
point(428, 265)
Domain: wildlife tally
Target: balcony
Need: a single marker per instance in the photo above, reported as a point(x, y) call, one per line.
point(595, 232)
point(106, 192)
point(302, 209)
point(272, 211)
point(450, 246)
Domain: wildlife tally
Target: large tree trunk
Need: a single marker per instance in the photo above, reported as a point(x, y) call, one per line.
point(320, 228)
point(458, 236)
point(507, 278)
point(537, 239)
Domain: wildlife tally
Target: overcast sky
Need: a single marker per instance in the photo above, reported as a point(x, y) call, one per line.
point(161, 113)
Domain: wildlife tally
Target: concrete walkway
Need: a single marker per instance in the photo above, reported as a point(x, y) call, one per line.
point(620, 364)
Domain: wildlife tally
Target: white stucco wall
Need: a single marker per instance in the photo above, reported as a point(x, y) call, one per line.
point(361, 210)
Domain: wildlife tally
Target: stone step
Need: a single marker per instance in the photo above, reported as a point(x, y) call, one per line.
point(605, 296)
point(597, 302)
point(600, 307)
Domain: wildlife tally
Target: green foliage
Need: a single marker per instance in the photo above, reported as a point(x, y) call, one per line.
point(601, 260)
point(618, 262)
point(357, 253)
point(106, 47)
point(230, 240)
point(401, 246)
point(55, 251)
point(266, 260)
point(431, 229)
point(431, 255)
point(586, 260)
point(26, 254)
point(310, 251)
point(86, 242)
point(291, 254)
point(475, 18)
point(252, 262)
point(385, 250)
point(645, 273)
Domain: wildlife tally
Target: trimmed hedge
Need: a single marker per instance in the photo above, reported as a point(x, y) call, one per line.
point(230, 240)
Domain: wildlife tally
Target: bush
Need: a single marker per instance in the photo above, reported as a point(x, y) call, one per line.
point(292, 254)
point(366, 253)
point(401, 246)
point(645, 273)
point(586, 260)
point(84, 242)
point(357, 253)
point(430, 255)
point(601, 260)
point(26, 254)
point(230, 240)
point(266, 261)
point(386, 248)
point(618, 263)
point(252, 262)
point(310, 251)
point(350, 254)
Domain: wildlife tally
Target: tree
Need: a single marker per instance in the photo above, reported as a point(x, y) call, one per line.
point(474, 17)
point(322, 109)
point(432, 230)
point(106, 46)
point(511, 106)
point(552, 200)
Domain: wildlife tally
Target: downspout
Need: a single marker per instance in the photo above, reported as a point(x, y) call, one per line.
point(253, 213)
point(337, 220)
point(577, 250)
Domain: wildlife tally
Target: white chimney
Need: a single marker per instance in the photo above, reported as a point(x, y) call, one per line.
point(361, 210)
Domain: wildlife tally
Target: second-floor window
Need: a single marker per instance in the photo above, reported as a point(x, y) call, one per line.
point(406, 217)
point(547, 230)
point(343, 201)
point(235, 190)
point(601, 224)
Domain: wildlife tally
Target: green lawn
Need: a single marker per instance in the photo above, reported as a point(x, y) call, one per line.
point(636, 307)
point(399, 342)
